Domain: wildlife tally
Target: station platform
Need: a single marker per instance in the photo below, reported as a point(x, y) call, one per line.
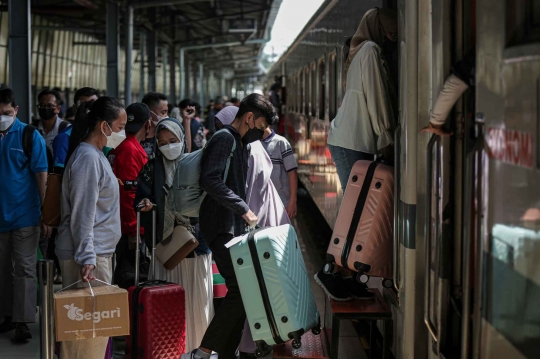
point(313, 234)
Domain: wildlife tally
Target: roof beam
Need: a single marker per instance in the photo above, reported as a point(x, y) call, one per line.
point(155, 3)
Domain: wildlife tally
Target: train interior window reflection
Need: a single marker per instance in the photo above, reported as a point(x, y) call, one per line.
point(313, 87)
point(332, 82)
point(322, 88)
point(522, 22)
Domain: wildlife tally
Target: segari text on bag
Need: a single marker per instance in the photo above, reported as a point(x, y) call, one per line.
point(91, 312)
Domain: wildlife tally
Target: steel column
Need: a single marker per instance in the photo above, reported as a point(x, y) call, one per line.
point(152, 55)
point(142, 72)
point(172, 76)
point(129, 58)
point(19, 55)
point(222, 87)
point(201, 83)
point(182, 75)
point(164, 59)
point(211, 86)
point(113, 49)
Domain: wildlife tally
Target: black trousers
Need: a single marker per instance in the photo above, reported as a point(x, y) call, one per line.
point(225, 330)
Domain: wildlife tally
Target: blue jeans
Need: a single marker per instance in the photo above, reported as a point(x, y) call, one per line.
point(345, 159)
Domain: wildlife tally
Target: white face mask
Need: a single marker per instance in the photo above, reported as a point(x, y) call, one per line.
point(115, 139)
point(159, 118)
point(6, 122)
point(172, 151)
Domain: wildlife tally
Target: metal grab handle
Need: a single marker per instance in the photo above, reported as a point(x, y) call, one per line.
point(138, 246)
point(435, 139)
point(46, 307)
point(397, 195)
point(479, 241)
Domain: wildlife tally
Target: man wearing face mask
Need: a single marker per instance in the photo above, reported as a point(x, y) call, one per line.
point(50, 123)
point(127, 160)
point(158, 105)
point(224, 214)
point(24, 173)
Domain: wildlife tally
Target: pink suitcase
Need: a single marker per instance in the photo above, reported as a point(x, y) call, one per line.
point(363, 234)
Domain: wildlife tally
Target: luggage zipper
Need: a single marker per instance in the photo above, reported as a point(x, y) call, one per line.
point(262, 286)
point(355, 222)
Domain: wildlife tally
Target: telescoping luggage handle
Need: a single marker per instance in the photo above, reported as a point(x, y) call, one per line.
point(138, 246)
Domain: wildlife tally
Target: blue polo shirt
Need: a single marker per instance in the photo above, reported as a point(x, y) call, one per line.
point(20, 205)
point(61, 146)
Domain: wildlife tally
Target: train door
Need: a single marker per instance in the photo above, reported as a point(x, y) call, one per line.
point(506, 252)
point(452, 37)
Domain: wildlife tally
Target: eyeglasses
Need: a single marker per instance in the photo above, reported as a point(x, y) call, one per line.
point(48, 106)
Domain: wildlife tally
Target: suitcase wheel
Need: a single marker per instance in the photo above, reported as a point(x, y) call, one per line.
point(296, 344)
point(258, 353)
point(362, 278)
point(316, 330)
point(328, 268)
point(388, 283)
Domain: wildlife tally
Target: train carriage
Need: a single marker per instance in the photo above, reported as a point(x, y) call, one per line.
point(466, 278)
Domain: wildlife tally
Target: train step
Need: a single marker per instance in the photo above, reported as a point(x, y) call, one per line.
point(313, 347)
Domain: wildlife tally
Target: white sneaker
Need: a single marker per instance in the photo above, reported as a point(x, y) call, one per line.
point(191, 355)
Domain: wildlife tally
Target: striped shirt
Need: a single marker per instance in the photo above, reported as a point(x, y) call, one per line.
point(282, 156)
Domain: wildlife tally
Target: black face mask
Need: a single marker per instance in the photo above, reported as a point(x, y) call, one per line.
point(46, 113)
point(252, 135)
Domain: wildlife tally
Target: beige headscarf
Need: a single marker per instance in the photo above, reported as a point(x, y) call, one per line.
point(374, 26)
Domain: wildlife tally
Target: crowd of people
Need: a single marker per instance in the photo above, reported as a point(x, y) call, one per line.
point(112, 158)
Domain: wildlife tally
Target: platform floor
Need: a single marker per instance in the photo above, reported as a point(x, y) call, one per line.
point(313, 234)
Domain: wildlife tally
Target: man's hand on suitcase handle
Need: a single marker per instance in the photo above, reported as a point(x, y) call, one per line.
point(145, 205)
point(251, 219)
point(86, 272)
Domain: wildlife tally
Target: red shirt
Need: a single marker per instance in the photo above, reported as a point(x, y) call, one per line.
point(127, 161)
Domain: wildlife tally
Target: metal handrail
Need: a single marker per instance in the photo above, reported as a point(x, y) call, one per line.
point(468, 193)
point(46, 317)
point(479, 242)
point(427, 234)
point(397, 195)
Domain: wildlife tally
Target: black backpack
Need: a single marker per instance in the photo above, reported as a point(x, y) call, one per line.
point(28, 143)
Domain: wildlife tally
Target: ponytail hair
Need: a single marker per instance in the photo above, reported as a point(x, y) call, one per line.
point(89, 115)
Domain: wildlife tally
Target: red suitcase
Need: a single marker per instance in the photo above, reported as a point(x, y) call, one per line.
point(363, 234)
point(158, 315)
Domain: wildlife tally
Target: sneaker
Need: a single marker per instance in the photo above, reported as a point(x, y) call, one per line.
point(22, 334)
point(333, 285)
point(7, 325)
point(191, 355)
point(58, 279)
point(357, 290)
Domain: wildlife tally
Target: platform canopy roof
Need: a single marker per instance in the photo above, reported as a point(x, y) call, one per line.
point(225, 35)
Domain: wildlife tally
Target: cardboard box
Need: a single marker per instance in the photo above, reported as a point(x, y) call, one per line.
point(79, 315)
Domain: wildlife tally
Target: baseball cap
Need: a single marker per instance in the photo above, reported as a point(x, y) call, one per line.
point(137, 114)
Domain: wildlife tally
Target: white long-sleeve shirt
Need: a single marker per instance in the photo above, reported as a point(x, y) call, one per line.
point(365, 120)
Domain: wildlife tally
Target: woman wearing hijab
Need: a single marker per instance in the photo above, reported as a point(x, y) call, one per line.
point(364, 124)
point(194, 273)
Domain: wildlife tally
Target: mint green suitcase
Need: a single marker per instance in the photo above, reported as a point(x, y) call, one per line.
point(275, 286)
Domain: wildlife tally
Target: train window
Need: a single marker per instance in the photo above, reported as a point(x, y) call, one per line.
point(322, 88)
point(522, 22)
point(305, 91)
point(313, 88)
point(332, 84)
